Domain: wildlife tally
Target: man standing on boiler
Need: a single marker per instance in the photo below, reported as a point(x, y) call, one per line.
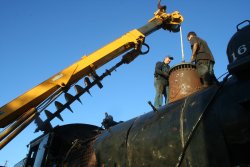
point(203, 59)
point(161, 83)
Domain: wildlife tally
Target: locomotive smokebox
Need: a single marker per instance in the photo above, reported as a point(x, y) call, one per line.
point(183, 81)
point(238, 50)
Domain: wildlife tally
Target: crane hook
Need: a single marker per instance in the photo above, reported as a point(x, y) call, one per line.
point(161, 8)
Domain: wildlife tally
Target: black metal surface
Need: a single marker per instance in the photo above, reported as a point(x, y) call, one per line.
point(64, 138)
point(114, 149)
point(157, 139)
point(150, 27)
point(234, 117)
point(238, 50)
point(60, 150)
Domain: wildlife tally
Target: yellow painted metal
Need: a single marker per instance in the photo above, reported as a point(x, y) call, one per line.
point(14, 133)
point(172, 18)
point(64, 79)
point(17, 123)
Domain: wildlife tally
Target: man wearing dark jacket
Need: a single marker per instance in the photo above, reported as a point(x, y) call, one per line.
point(161, 81)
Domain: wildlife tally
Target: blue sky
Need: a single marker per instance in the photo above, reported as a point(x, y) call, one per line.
point(40, 38)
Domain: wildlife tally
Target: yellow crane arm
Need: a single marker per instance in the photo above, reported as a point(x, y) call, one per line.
point(68, 76)
point(11, 111)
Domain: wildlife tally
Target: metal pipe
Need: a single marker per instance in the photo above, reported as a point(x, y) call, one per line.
point(16, 131)
point(182, 48)
point(9, 130)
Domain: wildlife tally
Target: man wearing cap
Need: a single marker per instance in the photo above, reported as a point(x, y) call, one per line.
point(161, 81)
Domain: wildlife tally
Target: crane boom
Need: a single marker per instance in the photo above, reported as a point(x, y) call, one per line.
point(12, 111)
point(68, 76)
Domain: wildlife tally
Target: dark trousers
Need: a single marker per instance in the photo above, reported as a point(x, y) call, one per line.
point(161, 88)
point(206, 72)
